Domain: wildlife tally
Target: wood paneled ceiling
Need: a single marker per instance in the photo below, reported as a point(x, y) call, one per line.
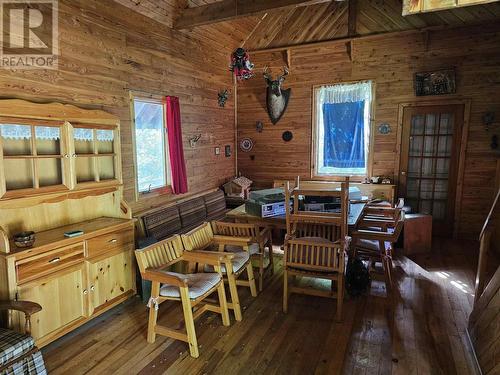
point(316, 22)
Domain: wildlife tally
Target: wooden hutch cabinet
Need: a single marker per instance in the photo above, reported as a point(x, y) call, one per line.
point(60, 170)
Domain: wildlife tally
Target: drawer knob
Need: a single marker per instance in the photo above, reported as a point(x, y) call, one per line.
point(113, 240)
point(85, 291)
point(55, 260)
point(92, 288)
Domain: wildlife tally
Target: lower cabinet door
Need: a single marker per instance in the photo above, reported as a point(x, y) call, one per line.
point(64, 299)
point(110, 278)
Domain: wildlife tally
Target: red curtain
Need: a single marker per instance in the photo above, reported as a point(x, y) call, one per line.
point(174, 132)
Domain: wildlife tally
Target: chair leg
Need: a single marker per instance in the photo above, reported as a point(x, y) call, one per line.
point(235, 300)
point(387, 263)
point(189, 321)
point(285, 291)
point(271, 257)
point(340, 297)
point(223, 304)
point(153, 311)
point(261, 270)
point(251, 279)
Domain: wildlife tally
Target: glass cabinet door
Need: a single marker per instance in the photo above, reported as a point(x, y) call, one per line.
point(33, 157)
point(95, 154)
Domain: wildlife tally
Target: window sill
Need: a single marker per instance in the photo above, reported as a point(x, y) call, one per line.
point(167, 190)
point(336, 178)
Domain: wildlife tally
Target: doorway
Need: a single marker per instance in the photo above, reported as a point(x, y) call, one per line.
point(430, 148)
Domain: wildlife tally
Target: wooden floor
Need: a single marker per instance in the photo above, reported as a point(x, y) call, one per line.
point(421, 330)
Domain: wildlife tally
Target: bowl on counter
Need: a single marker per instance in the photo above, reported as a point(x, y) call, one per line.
point(24, 239)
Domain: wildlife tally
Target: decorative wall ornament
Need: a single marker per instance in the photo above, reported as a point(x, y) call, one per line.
point(222, 97)
point(384, 128)
point(246, 144)
point(276, 98)
point(259, 126)
point(194, 140)
point(227, 151)
point(440, 82)
point(241, 65)
point(287, 136)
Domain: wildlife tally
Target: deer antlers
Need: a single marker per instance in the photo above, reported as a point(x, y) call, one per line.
point(280, 78)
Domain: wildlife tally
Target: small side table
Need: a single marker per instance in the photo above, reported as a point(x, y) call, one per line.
point(417, 234)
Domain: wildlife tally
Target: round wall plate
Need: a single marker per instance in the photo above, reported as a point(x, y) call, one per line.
point(246, 144)
point(384, 128)
point(287, 136)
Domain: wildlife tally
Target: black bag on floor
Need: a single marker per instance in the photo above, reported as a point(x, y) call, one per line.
point(357, 277)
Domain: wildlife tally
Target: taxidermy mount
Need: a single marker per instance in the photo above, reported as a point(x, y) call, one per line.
point(276, 99)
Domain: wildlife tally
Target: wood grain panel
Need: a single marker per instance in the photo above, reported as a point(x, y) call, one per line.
point(391, 62)
point(108, 49)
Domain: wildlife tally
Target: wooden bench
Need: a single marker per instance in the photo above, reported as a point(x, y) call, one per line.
point(180, 217)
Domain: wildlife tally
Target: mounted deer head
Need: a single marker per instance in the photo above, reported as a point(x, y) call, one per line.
point(277, 99)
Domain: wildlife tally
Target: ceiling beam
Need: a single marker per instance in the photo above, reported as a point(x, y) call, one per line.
point(226, 10)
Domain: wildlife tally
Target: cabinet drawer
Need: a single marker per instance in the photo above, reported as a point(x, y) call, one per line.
point(43, 264)
point(109, 242)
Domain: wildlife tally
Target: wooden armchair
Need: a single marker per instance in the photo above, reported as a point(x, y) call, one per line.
point(374, 239)
point(189, 289)
point(18, 353)
point(309, 249)
point(202, 238)
point(261, 238)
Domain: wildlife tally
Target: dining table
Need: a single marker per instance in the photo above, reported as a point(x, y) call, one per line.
point(240, 215)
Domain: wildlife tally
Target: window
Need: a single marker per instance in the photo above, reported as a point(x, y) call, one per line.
point(151, 151)
point(342, 129)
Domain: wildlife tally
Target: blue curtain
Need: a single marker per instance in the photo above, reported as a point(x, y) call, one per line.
point(344, 142)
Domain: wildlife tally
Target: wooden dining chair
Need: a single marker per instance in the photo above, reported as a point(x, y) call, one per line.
point(374, 238)
point(190, 289)
point(203, 238)
point(261, 239)
point(309, 252)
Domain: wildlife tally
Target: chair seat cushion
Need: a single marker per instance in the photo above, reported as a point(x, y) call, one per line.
point(252, 249)
point(13, 345)
point(198, 284)
point(239, 260)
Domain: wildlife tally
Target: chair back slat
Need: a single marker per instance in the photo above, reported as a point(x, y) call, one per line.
point(314, 255)
point(235, 229)
point(198, 238)
point(160, 253)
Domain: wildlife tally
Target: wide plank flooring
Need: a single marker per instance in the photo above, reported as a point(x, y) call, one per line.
point(419, 330)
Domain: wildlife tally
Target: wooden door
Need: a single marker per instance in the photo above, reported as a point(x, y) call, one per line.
point(63, 298)
point(429, 161)
point(110, 278)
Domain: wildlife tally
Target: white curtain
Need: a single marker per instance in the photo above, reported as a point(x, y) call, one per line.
point(14, 131)
point(342, 93)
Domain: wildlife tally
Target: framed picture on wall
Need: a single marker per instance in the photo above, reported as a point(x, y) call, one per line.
point(439, 82)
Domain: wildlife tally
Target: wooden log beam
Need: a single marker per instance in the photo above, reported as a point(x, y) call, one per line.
point(226, 10)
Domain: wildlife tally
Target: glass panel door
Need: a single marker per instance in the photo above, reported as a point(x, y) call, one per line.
point(95, 154)
point(429, 161)
point(32, 155)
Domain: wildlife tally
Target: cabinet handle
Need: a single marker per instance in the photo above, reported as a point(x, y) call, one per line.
point(74, 155)
point(85, 291)
point(92, 288)
point(113, 240)
point(55, 260)
point(66, 156)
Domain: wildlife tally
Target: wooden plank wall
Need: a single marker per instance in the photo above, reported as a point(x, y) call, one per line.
point(108, 49)
point(390, 61)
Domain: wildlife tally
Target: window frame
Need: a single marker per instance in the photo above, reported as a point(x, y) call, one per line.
point(167, 189)
point(335, 177)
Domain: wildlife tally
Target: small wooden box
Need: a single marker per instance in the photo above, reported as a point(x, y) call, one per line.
point(417, 234)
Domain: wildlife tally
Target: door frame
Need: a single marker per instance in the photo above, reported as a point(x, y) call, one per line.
point(438, 101)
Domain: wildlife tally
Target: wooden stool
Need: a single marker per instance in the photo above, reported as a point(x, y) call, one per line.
point(417, 234)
